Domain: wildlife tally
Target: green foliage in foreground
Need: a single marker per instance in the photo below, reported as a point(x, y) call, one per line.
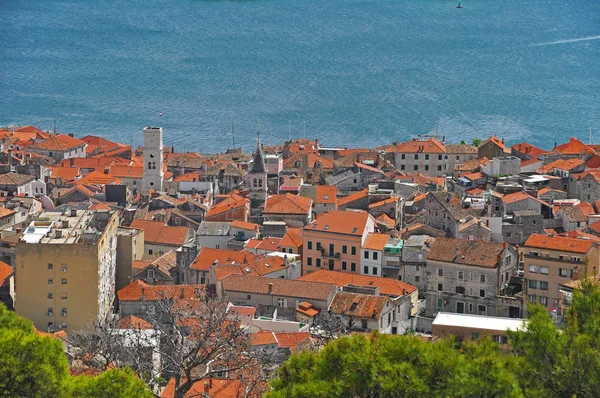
point(544, 362)
point(32, 365)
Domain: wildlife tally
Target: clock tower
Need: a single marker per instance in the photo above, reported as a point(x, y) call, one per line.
point(153, 159)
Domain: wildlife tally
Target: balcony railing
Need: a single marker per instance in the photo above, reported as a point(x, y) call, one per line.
point(327, 254)
point(556, 259)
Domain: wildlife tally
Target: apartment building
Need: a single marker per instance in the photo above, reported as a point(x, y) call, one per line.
point(467, 276)
point(550, 261)
point(422, 156)
point(65, 269)
point(334, 241)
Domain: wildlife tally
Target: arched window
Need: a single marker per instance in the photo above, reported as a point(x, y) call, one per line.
point(255, 182)
point(260, 183)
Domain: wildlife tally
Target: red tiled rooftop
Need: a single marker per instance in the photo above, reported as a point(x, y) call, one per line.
point(158, 232)
point(342, 222)
point(559, 243)
point(387, 286)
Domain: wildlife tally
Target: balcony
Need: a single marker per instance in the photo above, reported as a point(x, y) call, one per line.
point(555, 259)
point(326, 254)
point(392, 264)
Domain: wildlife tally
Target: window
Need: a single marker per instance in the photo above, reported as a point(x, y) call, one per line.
point(403, 156)
point(50, 266)
point(475, 336)
point(366, 255)
point(150, 251)
point(50, 296)
point(544, 270)
point(482, 278)
point(331, 248)
point(281, 302)
point(150, 273)
point(426, 167)
point(440, 272)
point(417, 278)
point(50, 311)
point(416, 156)
point(500, 339)
point(374, 270)
point(457, 157)
point(565, 272)
point(63, 296)
point(353, 250)
point(309, 245)
point(543, 300)
point(531, 298)
point(344, 266)
point(63, 268)
point(63, 281)
point(439, 168)
point(461, 275)
point(345, 249)
point(366, 270)
point(440, 303)
point(50, 281)
point(353, 267)
point(416, 167)
point(309, 261)
point(318, 262)
point(576, 259)
point(426, 157)
point(403, 167)
point(439, 157)
point(440, 287)
point(50, 325)
point(533, 268)
point(248, 297)
point(375, 255)
point(63, 311)
point(533, 284)
point(543, 285)
point(470, 307)
point(481, 292)
point(319, 247)
point(481, 310)
point(460, 290)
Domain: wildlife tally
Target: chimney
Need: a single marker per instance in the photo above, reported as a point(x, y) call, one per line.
point(502, 140)
point(270, 288)
point(71, 135)
point(457, 252)
point(206, 388)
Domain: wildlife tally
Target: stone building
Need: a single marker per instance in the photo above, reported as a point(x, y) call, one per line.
point(153, 174)
point(444, 211)
point(422, 156)
point(414, 261)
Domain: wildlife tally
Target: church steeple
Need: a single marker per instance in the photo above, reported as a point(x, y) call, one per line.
point(258, 163)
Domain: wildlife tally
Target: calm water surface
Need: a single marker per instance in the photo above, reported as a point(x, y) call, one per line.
point(357, 72)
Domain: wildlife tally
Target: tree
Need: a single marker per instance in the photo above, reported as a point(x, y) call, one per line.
point(476, 142)
point(112, 383)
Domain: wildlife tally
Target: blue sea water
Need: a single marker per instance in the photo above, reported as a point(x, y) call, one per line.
point(355, 72)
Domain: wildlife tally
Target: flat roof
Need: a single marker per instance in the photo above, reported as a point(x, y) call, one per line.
point(479, 321)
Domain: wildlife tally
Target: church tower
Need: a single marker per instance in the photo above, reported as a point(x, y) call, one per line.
point(257, 181)
point(153, 159)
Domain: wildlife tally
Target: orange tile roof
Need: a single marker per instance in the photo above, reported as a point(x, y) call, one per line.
point(80, 188)
point(529, 162)
point(390, 200)
point(546, 190)
point(287, 204)
point(58, 142)
point(188, 177)
point(138, 290)
point(209, 256)
point(474, 176)
point(358, 305)
point(241, 310)
point(99, 178)
point(421, 146)
point(269, 244)
point(494, 140)
point(126, 171)
point(388, 286)
point(595, 227)
point(65, 173)
point(593, 162)
point(158, 232)
point(244, 225)
point(467, 252)
point(325, 194)
point(375, 241)
point(385, 220)
point(5, 271)
point(579, 234)
point(559, 243)
point(528, 149)
point(518, 196)
point(292, 238)
point(291, 340)
point(594, 173)
point(280, 287)
point(262, 338)
point(340, 222)
point(574, 147)
point(4, 212)
point(89, 163)
point(352, 197)
point(232, 201)
point(561, 164)
point(134, 322)
point(307, 309)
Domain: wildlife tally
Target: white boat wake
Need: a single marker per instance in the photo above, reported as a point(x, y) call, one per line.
point(550, 43)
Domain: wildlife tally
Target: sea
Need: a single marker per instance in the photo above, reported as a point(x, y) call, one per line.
point(354, 73)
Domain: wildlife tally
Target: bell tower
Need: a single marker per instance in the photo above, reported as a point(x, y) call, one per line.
point(257, 181)
point(153, 159)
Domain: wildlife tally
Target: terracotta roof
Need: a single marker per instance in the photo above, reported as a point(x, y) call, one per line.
point(232, 201)
point(308, 161)
point(467, 252)
point(421, 146)
point(593, 162)
point(528, 149)
point(58, 142)
point(15, 179)
point(291, 340)
point(158, 232)
point(358, 305)
point(281, 287)
point(375, 241)
point(89, 163)
point(287, 204)
point(385, 220)
point(5, 271)
point(134, 322)
point(529, 162)
point(574, 147)
point(208, 256)
point(579, 234)
point(474, 176)
point(244, 225)
point(390, 200)
point(263, 338)
point(4, 212)
point(307, 309)
point(65, 173)
point(188, 177)
point(79, 188)
point(495, 140)
point(241, 310)
point(546, 190)
point(573, 213)
point(595, 227)
point(126, 171)
point(561, 164)
point(559, 243)
point(99, 178)
point(269, 244)
point(388, 286)
point(340, 222)
point(325, 194)
point(352, 197)
point(595, 174)
point(519, 196)
point(459, 149)
point(138, 290)
point(139, 264)
point(292, 238)
point(217, 388)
